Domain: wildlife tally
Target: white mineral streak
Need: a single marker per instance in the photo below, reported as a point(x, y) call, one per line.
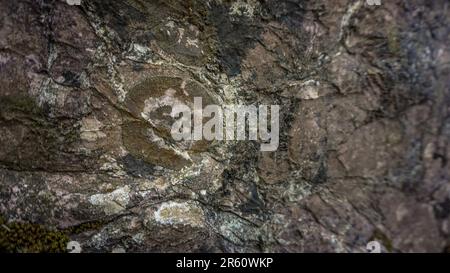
point(113, 202)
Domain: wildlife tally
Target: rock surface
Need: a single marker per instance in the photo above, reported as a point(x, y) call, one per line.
point(364, 124)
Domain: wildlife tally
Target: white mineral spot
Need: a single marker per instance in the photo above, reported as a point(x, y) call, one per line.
point(180, 34)
point(170, 24)
point(110, 165)
point(138, 238)
point(309, 93)
point(139, 52)
point(91, 129)
point(180, 213)
point(192, 42)
point(429, 151)
point(308, 90)
point(183, 88)
point(113, 202)
point(152, 104)
point(47, 93)
point(4, 60)
point(245, 8)
point(118, 250)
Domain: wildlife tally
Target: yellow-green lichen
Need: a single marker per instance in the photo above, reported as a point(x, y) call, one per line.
point(19, 237)
point(30, 238)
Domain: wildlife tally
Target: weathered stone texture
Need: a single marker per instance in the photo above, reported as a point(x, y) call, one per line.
point(364, 127)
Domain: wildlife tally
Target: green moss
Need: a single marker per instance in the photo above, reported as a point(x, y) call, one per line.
point(30, 238)
point(21, 237)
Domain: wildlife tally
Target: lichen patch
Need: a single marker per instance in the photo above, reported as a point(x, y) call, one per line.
point(183, 213)
point(113, 202)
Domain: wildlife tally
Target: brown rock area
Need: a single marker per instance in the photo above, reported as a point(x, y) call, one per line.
point(364, 94)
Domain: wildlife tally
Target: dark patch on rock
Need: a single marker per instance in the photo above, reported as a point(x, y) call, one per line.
point(35, 143)
point(71, 78)
point(442, 210)
point(321, 176)
point(254, 204)
point(289, 13)
point(235, 35)
point(119, 16)
point(137, 167)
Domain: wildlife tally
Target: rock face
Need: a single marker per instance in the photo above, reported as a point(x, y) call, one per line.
point(364, 95)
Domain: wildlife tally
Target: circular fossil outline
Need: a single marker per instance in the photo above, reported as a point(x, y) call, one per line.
point(147, 135)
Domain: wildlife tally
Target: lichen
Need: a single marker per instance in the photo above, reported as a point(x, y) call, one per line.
point(113, 202)
point(180, 213)
point(18, 237)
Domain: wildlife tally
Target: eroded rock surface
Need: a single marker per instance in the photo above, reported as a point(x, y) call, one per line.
point(364, 124)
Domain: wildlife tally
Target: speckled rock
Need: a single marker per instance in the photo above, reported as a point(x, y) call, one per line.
point(86, 150)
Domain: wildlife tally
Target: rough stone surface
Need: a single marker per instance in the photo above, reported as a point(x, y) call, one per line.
point(364, 123)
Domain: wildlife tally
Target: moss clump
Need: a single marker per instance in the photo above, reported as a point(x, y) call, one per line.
point(33, 238)
point(30, 238)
